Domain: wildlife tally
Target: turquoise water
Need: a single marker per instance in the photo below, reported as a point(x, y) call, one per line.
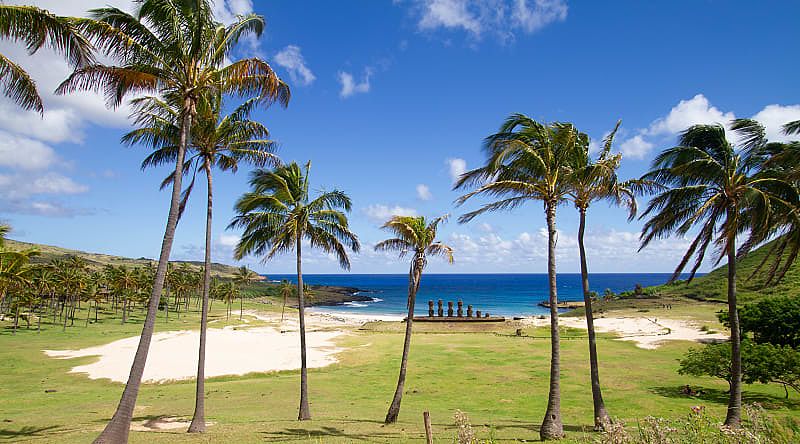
point(500, 294)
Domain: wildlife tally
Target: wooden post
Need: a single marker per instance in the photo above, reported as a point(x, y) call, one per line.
point(426, 417)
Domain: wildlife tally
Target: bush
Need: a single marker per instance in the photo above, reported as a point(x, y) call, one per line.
point(699, 427)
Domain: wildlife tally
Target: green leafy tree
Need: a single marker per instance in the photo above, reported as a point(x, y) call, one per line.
point(277, 215)
point(173, 49)
point(531, 161)
point(774, 320)
point(709, 184)
point(764, 363)
point(416, 237)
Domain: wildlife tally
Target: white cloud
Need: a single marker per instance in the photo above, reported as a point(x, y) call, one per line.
point(20, 152)
point(381, 213)
point(20, 186)
point(456, 167)
point(542, 14)
point(350, 86)
point(699, 111)
point(635, 147)
point(449, 14)
point(773, 117)
point(423, 192)
point(292, 59)
point(695, 111)
point(479, 17)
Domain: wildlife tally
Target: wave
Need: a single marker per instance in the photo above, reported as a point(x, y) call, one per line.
point(354, 304)
point(377, 300)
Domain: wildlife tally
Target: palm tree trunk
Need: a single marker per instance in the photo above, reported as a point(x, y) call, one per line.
point(394, 408)
point(116, 431)
point(600, 414)
point(198, 424)
point(305, 412)
point(552, 428)
point(734, 415)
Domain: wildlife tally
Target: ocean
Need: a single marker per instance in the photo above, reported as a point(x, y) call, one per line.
point(498, 294)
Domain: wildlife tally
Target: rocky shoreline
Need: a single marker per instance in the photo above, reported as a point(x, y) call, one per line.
point(325, 295)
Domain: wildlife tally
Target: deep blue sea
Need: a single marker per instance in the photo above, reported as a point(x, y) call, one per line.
point(500, 294)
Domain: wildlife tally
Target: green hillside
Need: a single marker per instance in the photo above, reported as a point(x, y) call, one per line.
point(713, 286)
point(97, 260)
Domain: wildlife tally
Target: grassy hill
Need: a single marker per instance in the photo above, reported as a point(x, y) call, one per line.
point(97, 260)
point(713, 286)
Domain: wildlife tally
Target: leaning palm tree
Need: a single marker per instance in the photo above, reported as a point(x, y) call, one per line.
point(176, 50)
point(218, 141)
point(37, 28)
point(531, 161)
point(413, 236)
point(591, 181)
point(710, 184)
point(277, 215)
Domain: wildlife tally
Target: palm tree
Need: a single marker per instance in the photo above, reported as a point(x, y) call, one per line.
point(593, 180)
point(217, 141)
point(531, 161)
point(286, 290)
point(413, 236)
point(243, 278)
point(37, 28)
point(277, 215)
point(711, 185)
point(176, 50)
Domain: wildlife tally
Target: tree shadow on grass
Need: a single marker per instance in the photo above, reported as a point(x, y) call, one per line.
point(316, 432)
point(11, 435)
point(718, 396)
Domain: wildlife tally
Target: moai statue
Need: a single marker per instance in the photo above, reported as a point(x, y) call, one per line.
point(469, 311)
point(430, 309)
point(486, 315)
point(449, 309)
point(460, 308)
point(478, 313)
point(441, 309)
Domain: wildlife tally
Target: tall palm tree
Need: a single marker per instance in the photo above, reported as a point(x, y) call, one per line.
point(531, 161)
point(593, 180)
point(413, 236)
point(286, 290)
point(710, 184)
point(37, 28)
point(243, 277)
point(176, 50)
point(277, 215)
point(217, 141)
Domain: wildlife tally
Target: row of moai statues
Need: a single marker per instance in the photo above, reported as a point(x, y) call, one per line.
point(459, 313)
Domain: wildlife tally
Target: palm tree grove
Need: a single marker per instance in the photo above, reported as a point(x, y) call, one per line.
point(573, 260)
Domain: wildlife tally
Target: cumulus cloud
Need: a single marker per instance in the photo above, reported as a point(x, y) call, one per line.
point(350, 86)
point(699, 111)
point(293, 61)
point(479, 17)
point(20, 152)
point(456, 167)
point(423, 192)
point(381, 213)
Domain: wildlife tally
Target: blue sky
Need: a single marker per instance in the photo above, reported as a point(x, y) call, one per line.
point(392, 98)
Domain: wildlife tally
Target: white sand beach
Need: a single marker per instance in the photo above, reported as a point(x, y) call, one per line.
point(230, 351)
point(645, 332)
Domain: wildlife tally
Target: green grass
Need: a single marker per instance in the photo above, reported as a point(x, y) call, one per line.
point(499, 380)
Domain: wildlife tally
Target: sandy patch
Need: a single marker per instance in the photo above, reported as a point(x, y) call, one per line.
point(645, 332)
point(230, 351)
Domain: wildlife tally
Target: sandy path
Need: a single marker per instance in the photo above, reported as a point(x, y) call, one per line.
point(645, 332)
point(173, 355)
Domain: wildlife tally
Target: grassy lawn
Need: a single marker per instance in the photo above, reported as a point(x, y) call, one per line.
point(499, 380)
